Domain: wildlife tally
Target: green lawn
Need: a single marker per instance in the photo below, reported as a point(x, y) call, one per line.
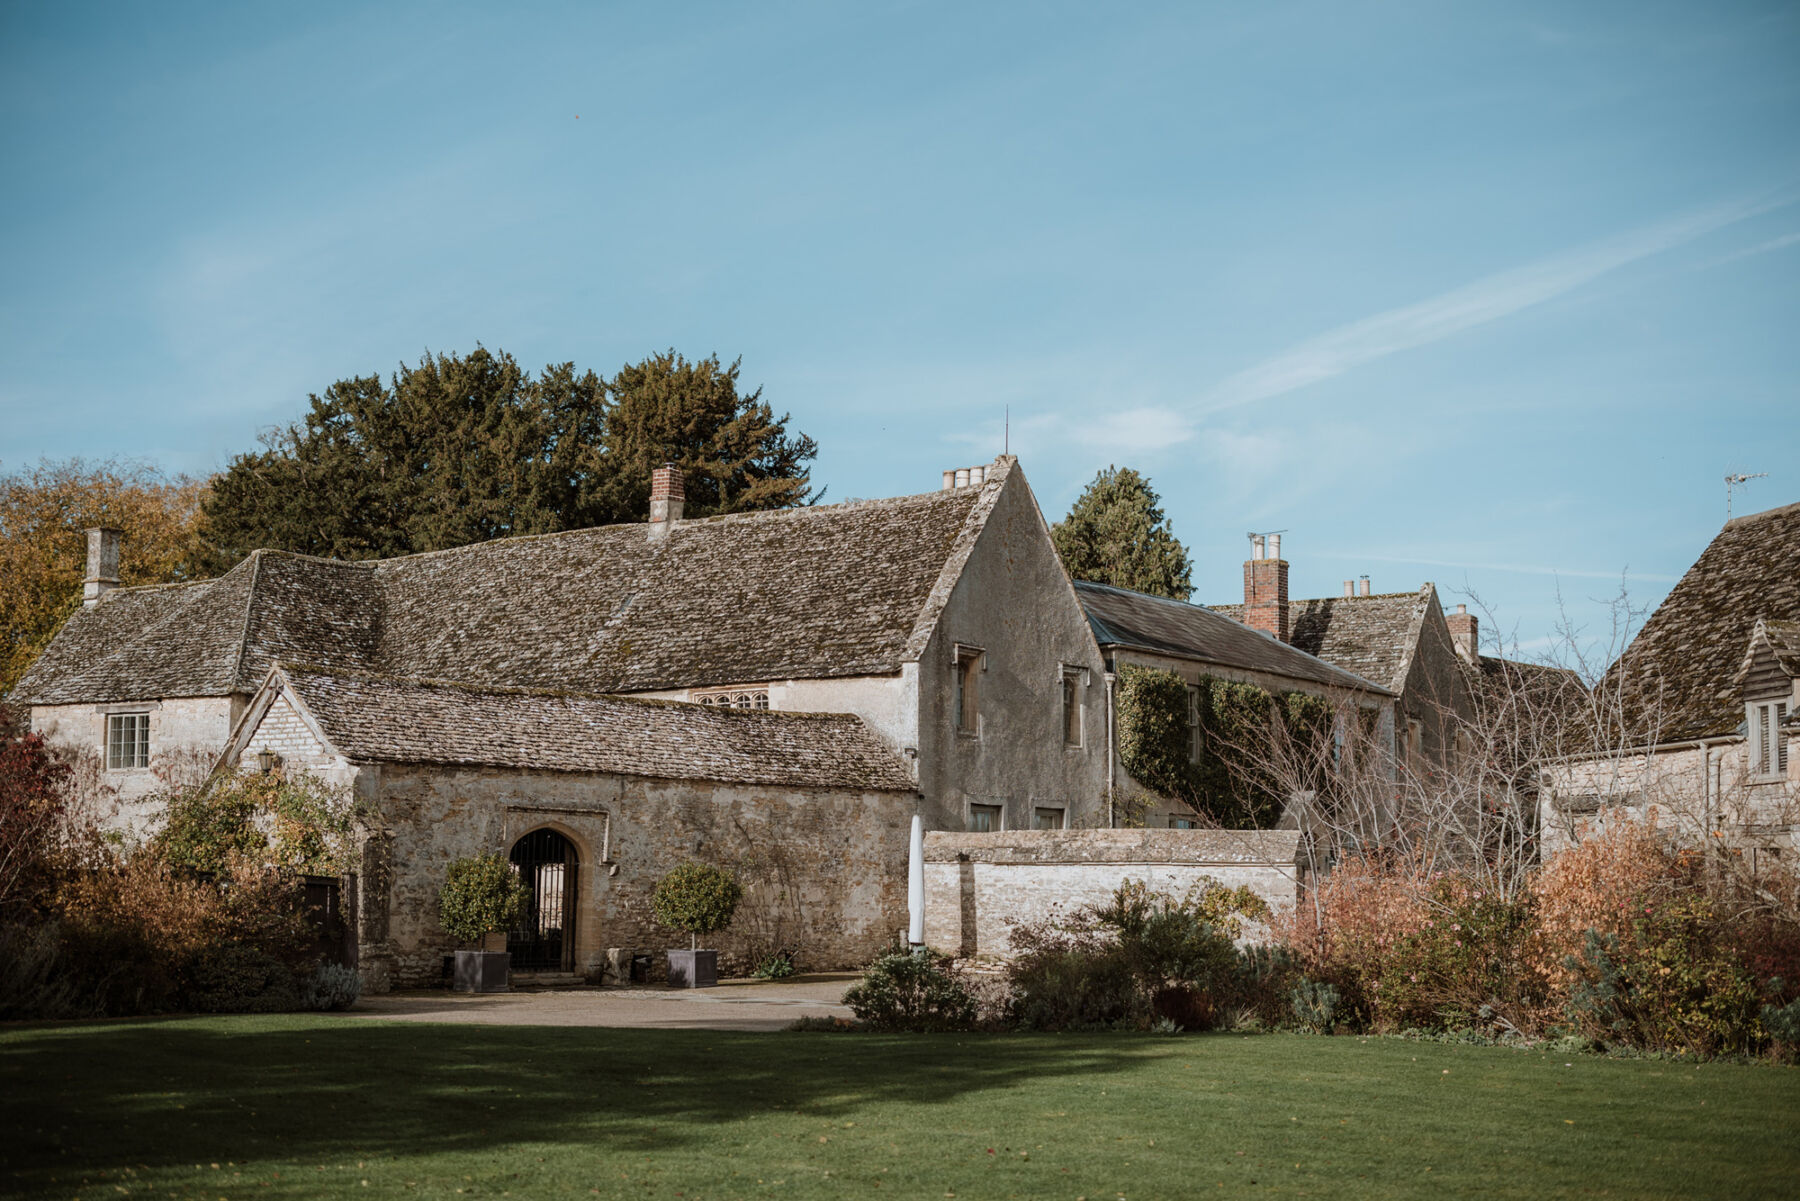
point(333, 1106)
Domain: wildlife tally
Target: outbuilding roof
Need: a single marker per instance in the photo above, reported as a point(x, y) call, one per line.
point(380, 719)
point(1674, 682)
point(1123, 618)
point(1369, 636)
point(839, 590)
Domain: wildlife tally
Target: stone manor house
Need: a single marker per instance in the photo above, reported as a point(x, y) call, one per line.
point(780, 691)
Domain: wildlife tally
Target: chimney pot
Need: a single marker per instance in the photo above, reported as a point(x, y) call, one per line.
point(1266, 592)
point(1465, 632)
point(949, 480)
point(962, 477)
point(1362, 586)
point(102, 565)
point(668, 496)
point(1349, 587)
point(1274, 546)
point(978, 476)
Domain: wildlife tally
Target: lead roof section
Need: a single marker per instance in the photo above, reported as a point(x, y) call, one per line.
point(1121, 617)
point(807, 593)
point(1369, 636)
point(384, 720)
point(1674, 681)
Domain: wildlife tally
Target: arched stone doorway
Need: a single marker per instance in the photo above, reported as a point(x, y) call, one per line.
point(544, 940)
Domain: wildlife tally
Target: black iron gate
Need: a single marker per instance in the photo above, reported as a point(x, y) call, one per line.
point(544, 940)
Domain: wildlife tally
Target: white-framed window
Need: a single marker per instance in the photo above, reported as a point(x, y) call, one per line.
point(1073, 706)
point(984, 819)
point(735, 698)
point(970, 662)
point(127, 741)
point(1045, 817)
point(1768, 742)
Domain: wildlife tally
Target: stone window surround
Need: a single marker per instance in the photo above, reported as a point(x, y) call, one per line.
point(1057, 813)
point(1074, 681)
point(106, 713)
point(967, 664)
point(996, 815)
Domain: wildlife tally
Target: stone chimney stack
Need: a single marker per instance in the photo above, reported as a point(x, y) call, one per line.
point(102, 565)
point(667, 497)
point(1266, 587)
point(1465, 631)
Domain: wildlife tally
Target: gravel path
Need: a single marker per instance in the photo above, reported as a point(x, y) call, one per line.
point(731, 1005)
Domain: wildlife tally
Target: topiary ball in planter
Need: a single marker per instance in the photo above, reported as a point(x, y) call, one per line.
point(481, 894)
point(699, 899)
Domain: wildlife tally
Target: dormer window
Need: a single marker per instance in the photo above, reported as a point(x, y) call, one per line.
point(1768, 743)
point(127, 741)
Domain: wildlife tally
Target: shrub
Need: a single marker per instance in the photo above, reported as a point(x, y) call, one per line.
point(35, 982)
point(35, 791)
point(778, 966)
point(697, 898)
point(332, 987)
point(292, 821)
point(1262, 982)
point(1670, 984)
point(904, 990)
point(1313, 1005)
point(480, 893)
point(1075, 988)
point(1471, 963)
point(237, 978)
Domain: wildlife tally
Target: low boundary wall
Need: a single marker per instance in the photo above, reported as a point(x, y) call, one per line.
point(978, 886)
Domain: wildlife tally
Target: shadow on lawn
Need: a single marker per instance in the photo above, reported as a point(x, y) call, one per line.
point(186, 1092)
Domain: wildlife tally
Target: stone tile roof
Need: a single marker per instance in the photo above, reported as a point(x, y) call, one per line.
point(840, 590)
point(1674, 680)
point(385, 720)
point(1121, 617)
point(1370, 636)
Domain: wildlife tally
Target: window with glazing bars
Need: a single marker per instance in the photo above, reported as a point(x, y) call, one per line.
point(1769, 752)
point(127, 740)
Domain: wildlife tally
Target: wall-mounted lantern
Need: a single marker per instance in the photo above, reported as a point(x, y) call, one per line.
point(266, 759)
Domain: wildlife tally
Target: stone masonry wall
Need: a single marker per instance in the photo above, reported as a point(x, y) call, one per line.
point(978, 886)
point(824, 872)
point(186, 736)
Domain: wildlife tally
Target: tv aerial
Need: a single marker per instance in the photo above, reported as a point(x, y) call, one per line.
point(1735, 480)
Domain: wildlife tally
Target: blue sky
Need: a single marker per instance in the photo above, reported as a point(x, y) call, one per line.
point(1486, 295)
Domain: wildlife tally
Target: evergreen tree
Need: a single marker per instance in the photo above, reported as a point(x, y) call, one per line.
point(462, 449)
point(1116, 534)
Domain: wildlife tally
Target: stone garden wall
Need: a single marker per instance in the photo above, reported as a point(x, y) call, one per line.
point(978, 886)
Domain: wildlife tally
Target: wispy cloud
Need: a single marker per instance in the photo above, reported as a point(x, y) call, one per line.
point(1514, 568)
point(1489, 299)
point(1782, 242)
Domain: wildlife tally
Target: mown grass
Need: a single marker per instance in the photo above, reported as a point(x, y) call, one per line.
point(270, 1107)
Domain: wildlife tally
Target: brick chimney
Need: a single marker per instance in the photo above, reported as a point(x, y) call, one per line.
point(102, 565)
point(1465, 631)
point(667, 496)
point(1266, 587)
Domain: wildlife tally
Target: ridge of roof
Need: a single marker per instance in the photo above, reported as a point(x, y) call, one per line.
point(1764, 514)
point(1278, 658)
point(368, 718)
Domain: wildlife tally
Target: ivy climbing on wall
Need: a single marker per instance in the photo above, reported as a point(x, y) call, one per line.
point(1237, 726)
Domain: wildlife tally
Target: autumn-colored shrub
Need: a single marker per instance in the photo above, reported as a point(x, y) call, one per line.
point(1347, 932)
point(1599, 884)
point(35, 798)
point(1469, 965)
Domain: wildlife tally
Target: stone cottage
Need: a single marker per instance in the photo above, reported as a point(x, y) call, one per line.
point(1699, 714)
point(942, 623)
point(1194, 642)
point(1402, 641)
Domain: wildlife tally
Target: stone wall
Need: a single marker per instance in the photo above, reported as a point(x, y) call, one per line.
point(1015, 602)
point(825, 872)
point(978, 886)
point(186, 736)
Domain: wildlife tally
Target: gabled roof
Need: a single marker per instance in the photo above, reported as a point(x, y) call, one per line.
point(1370, 636)
point(379, 719)
point(1123, 618)
point(840, 590)
point(1674, 680)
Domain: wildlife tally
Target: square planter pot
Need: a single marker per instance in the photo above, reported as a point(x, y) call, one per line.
point(693, 969)
point(482, 971)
